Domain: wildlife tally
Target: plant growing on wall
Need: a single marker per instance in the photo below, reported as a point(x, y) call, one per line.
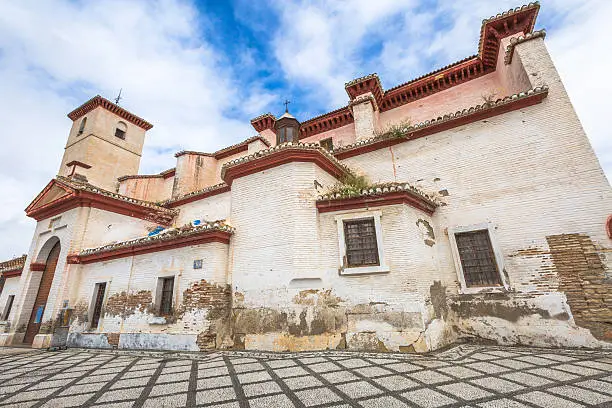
point(395, 131)
point(489, 97)
point(351, 185)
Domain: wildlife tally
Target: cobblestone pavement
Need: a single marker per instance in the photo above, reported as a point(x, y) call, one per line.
point(464, 376)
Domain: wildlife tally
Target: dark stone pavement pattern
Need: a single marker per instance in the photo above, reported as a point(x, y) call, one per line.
point(464, 376)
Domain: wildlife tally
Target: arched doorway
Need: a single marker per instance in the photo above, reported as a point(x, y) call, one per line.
point(42, 294)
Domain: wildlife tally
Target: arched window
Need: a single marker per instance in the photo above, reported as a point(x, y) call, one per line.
point(82, 126)
point(121, 130)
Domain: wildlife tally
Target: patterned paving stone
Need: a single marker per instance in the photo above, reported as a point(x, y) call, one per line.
point(214, 382)
point(465, 391)
point(383, 402)
point(430, 377)
point(463, 376)
point(215, 395)
point(65, 402)
point(298, 383)
point(317, 396)
point(396, 383)
point(428, 398)
point(545, 400)
point(276, 401)
point(582, 395)
point(258, 389)
point(359, 389)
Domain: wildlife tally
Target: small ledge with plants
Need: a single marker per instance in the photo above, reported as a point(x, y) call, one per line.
point(355, 192)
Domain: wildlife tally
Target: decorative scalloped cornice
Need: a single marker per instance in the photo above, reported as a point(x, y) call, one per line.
point(15, 264)
point(488, 109)
point(212, 231)
point(378, 195)
point(227, 151)
point(163, 175)
point(521, 39)
point(81, 194)
point(285, 147)
point(96, 190)
point(196, 195)
point(379, 189)
point(111, 107)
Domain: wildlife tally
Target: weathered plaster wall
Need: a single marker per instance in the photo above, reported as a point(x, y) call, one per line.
point(201, 301)
point(11, 287)
point(152, 189)
point(531, 173)
point(341, 136)
point(193, 172)
point(272, 259)
point(103, 227)
point(216, 207)
point(386, 311)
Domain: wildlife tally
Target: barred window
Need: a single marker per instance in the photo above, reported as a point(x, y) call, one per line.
point(360, 240)
point(477, 259)
point(167, 289)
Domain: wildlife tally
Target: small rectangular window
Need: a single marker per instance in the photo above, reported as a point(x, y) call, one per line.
point(167, 290)
point(99, 301)
point(120, 134)
point(327, 144)
point(7, 309)
point(360, 240)
point(477, 259)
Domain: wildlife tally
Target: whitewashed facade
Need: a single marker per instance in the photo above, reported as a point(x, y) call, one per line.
point(467, 204)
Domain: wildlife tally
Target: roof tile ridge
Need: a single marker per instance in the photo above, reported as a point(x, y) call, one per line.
point(446, 117)
point(12, 264)
point(286, 146)
point(230, 147)
point(381, 189)
point(100, 191)
point(194, 193)
point(165, 235)
point(514, 41)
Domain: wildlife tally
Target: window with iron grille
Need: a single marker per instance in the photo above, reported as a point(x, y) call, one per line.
point(477, 259)
point(165, 305)
point(360, 241)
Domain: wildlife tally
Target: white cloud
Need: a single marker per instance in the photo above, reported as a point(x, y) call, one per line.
point(56, 54)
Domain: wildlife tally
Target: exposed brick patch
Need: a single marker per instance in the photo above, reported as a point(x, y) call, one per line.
point(217, 299)
point(124, 304)
point(583, 279)
point(206, 340)
point(204, 295)
point(112, 338)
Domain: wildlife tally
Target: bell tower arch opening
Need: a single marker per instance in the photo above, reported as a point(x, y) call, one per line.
point(49, 255)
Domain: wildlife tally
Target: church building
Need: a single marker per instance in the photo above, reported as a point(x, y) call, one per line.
point(463, 205)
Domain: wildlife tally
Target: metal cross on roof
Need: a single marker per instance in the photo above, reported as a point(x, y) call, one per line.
point(287, 102)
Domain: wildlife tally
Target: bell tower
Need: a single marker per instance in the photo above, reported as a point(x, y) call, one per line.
point(105, 142)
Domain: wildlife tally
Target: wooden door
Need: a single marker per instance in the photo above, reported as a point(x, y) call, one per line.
point(42, 295)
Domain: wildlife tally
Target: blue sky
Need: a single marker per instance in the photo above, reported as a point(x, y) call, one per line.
point(200, 70)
